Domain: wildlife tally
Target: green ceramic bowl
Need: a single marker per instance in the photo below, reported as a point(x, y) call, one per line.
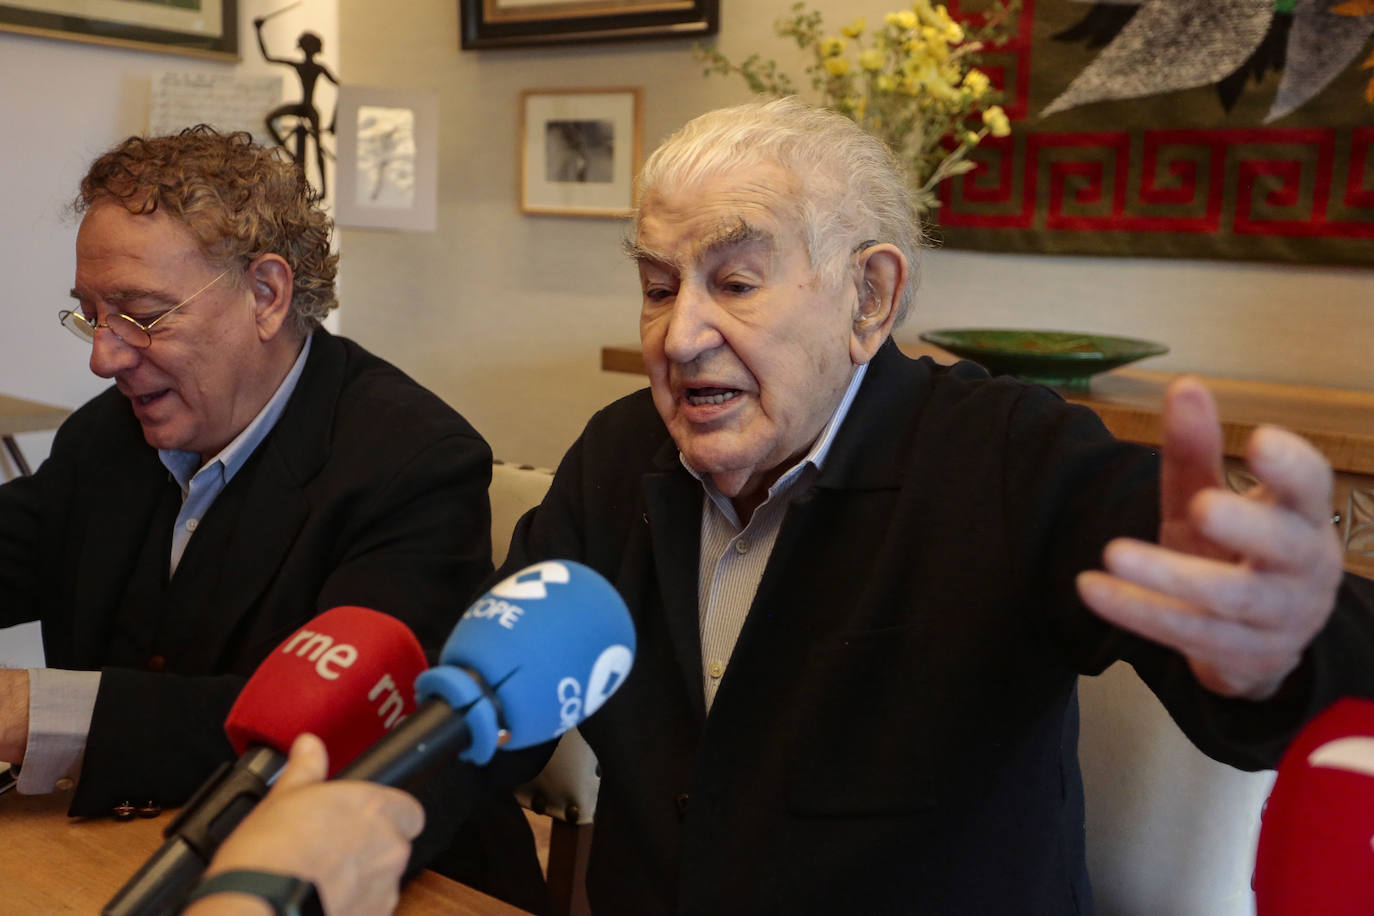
point(1061, 358)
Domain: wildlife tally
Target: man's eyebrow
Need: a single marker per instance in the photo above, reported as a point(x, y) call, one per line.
point(737, 234)
point(124, 296)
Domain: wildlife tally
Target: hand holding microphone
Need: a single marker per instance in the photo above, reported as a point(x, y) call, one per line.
point(345, 676)
point(527, 661)
point(350, 839)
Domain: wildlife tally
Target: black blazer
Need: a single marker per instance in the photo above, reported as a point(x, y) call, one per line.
point(368, 491)
point(897, 729)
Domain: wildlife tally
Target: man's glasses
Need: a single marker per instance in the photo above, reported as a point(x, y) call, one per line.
point(130, 330)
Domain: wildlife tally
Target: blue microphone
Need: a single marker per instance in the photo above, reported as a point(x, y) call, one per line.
point(527, 661)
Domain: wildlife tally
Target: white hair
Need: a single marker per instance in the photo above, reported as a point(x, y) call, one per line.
point(848, 188)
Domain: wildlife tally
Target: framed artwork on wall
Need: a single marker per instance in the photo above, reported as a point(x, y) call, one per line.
point(388, 152)
point(200, 28)
point(516, 23)
point(579, 150)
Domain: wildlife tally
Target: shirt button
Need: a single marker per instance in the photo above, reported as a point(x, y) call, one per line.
point(191, 524)
point(717, 669)
point(65, 783)
point(681, 805)
point(741, 546)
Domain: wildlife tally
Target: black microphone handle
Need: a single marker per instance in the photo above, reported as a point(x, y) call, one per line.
point(433, 735)
point(161, 885)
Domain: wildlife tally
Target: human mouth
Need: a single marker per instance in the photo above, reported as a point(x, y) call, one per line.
point(143, 400)
point(699, 397)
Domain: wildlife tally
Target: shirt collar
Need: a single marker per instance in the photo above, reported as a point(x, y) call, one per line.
point(813, 458)
point(184, 465)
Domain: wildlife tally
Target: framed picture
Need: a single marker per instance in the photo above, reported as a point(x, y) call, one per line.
point(388, 158)
point(579, 150)
point(201, 28)
point(514, 23)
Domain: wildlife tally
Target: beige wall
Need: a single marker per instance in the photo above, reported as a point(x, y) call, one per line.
point(503, 313)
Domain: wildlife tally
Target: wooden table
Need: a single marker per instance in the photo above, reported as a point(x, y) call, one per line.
point(1339, 422)
point(51, 864)
point(20, 416)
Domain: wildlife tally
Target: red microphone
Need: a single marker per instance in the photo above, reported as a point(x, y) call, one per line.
point(346, 676)
point(1315, 852)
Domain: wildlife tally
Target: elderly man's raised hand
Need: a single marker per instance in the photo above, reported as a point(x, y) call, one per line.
point(352, 839)
point(1239, 584)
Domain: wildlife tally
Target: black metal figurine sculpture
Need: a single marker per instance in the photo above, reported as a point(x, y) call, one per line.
point(307, 116)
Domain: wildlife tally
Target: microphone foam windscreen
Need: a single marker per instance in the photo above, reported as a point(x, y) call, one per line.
point(346, 676)
point(1315, 853)
point(552, 642)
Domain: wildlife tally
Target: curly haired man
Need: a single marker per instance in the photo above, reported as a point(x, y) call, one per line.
point(245, 471)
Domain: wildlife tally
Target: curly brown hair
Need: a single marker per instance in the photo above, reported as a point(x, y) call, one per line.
point(239, 200)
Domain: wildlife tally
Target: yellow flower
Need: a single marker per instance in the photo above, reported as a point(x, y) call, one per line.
point(855, 28)
point(977, 83)
point(918, 50)
point(885, 82)
point(996, 120)
point(903, 19)
point(855, 104)
point(939, 87)
point(837, 66)
point(971, 138)
point(872, 59)
point(832, 47)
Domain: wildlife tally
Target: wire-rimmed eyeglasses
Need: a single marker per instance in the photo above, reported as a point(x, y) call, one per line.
point(130, 330)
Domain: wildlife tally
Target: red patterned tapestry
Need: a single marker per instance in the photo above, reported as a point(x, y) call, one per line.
point(1180, 128)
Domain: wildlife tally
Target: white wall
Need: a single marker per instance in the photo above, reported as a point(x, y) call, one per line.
point(63, 104)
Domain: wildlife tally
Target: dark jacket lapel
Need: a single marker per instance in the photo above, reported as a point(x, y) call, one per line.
point(123, 492)
point(674, 499)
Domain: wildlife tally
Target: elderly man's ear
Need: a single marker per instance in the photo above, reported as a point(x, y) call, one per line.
point(883, 273)
point(271, 281)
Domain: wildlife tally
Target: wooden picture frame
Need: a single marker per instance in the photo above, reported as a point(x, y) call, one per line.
point(199, 28)
point(521, 23)
point(580, 150)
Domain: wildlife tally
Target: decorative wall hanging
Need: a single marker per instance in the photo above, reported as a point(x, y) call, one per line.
point(1219, 129)
point(579, 150)
point(388, 159)
point(201, 28)
point(513, 23)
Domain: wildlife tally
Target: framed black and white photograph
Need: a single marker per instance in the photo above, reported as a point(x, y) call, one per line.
point(201, 28)
point(579, 150)
point(388, 159)
point(517, 23)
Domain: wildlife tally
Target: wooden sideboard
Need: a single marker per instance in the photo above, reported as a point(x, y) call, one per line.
point(1338, 422)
